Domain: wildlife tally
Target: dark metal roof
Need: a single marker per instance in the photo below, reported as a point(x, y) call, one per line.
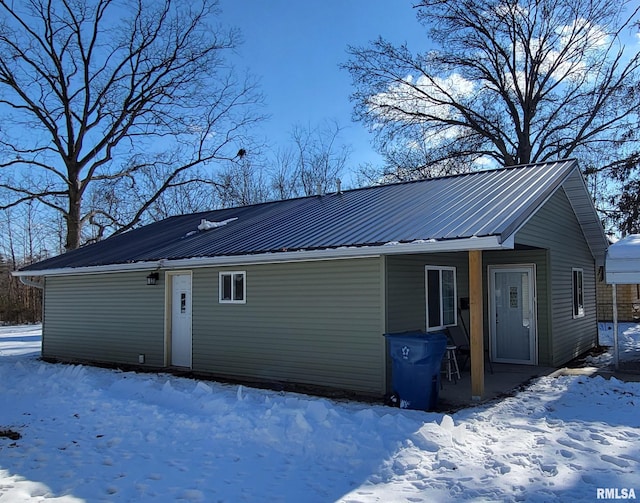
point(486, 203)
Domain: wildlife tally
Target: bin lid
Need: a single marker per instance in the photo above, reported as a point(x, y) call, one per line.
point(416, 347)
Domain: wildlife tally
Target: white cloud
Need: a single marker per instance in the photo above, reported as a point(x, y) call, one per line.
point(423, 99)
point(418, 100)
point(594, 36)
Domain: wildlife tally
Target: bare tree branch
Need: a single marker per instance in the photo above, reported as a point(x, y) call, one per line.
point(105, 90)
point(515, 81)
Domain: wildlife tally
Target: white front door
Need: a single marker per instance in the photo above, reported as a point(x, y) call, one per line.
point(181, 320)
point(513, 314)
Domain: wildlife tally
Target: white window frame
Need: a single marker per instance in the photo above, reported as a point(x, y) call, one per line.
point(442, 325)
point(232, 274)
point(577, 293)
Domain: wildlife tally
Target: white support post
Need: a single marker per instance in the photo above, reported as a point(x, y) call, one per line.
point(616, 360)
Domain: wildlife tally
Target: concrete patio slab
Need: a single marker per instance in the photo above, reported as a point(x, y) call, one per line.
point(504, 380)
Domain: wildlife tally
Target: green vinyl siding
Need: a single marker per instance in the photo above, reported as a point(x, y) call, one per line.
point(556, 228)
point(540, 259)
point(110, 318)
point(317, 323)
point(406, 300)
point(406, 303)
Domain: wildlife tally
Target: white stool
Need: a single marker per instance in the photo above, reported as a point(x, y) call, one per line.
point(451, 364)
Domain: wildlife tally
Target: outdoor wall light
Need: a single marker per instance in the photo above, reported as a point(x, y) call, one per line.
point(153, 278)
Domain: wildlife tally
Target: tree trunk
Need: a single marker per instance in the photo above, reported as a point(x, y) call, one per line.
point(73, 218)
point(524, 145)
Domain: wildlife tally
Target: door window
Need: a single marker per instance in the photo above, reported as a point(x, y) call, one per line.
point(512, 314)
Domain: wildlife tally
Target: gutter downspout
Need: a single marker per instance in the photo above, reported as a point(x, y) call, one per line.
point(40, 286)
point(29, 282)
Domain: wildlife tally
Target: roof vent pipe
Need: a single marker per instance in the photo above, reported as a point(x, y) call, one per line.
point(319, 189)
point(338, 186)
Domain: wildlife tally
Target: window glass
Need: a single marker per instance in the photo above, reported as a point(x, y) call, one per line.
point(448, 297)
point(433, 298)
point(513, 297)
point(226, 287)
point(238, 286)
point(526, 306)
point(441, 296)
point(232, 287)
point(578, 293)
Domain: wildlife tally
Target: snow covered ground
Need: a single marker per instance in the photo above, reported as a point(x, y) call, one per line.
point(628, 342)
point(90, 434)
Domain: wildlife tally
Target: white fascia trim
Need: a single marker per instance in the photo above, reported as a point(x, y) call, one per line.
point(622, 271)
point(623, 279)
point(452, 245)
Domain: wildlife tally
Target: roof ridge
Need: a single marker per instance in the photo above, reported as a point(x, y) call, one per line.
point(375, 187)
point(462, 206)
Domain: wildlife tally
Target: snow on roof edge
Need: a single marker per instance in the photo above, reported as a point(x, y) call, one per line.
point(626, 248)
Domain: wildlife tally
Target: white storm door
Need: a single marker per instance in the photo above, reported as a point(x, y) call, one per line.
point(181, 343)
point(513, 314)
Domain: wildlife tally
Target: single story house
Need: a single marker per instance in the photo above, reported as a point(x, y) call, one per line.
point(302, 290)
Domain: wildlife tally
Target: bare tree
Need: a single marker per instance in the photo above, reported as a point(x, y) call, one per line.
point(95, 94)
point(627, 214)
point(20, 244)
point(243, 183)
point(510, 81)
point(622, 201)
point(321, 157)
point(316, 160)
point(284, 182)
point(118, 200)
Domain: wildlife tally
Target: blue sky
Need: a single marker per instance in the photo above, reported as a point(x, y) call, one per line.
point(295, 47)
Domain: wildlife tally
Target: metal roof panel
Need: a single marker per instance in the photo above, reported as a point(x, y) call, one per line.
point(486, 203)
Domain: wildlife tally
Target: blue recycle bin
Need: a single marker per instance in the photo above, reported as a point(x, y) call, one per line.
point(416, 363)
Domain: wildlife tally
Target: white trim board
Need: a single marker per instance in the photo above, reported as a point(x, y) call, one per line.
point(454, 245)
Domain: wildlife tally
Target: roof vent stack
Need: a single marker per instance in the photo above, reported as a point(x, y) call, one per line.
point(319, 188)
point(338, 186)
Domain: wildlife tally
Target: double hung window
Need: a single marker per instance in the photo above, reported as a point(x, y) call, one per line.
point(232, 287)
point(441, 296)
